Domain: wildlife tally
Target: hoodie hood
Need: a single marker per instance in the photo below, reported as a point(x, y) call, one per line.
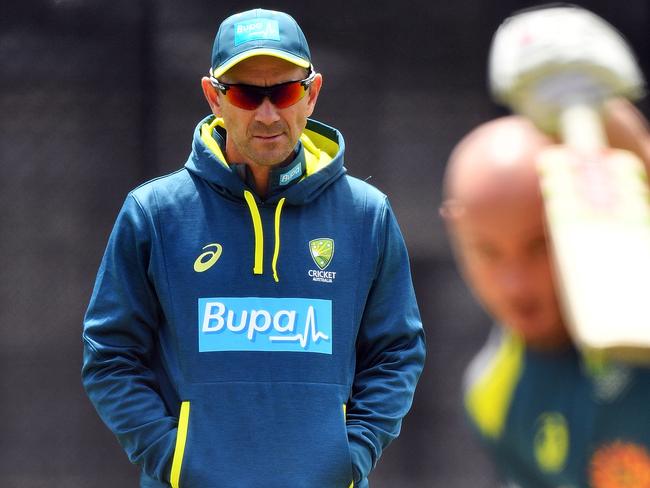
point(323, 147)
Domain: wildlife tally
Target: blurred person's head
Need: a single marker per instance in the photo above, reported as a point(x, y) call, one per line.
point(494, 214)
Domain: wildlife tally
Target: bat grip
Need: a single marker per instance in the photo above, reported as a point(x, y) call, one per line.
point(581, 128)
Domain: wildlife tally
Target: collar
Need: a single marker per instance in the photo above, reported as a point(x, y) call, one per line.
point(280, 177)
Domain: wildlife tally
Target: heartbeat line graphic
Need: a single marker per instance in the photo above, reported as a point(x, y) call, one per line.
point(310, 332)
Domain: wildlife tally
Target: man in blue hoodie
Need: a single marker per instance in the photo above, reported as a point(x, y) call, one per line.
point(253, 322)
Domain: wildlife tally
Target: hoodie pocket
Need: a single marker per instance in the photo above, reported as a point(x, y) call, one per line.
point(266, 435)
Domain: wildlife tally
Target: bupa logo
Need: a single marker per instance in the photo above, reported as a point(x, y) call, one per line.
point(268, 29)
point(290, 175)
point(265, 324)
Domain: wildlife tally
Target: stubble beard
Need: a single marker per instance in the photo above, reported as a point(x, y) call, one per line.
point(268, 153)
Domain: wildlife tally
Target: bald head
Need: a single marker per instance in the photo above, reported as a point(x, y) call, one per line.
point(494, 212)
point(494, 163)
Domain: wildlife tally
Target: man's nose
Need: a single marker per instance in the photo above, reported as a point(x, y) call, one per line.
point(267, 113)
point(514, 280)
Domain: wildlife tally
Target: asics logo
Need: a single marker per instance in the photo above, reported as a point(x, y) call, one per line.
point(206, 260)
point(265, 324)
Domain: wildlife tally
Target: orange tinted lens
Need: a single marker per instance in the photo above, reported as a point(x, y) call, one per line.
point(284, 96)
point(244, 97)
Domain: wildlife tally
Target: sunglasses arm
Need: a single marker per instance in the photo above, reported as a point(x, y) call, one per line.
point(218, 85)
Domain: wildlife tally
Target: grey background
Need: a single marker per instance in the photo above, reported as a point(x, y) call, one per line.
point(97, 96)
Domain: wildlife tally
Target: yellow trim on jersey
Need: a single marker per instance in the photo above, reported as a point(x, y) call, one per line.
point(345, 416)
point(488, 398)
point(319, 151)
point(179, 450)
point(208, 140)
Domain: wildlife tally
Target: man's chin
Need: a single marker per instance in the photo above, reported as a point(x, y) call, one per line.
point(538, 335)
point(271, 156)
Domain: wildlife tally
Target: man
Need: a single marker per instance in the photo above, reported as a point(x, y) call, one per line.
point(253, 322)
point(548, 416)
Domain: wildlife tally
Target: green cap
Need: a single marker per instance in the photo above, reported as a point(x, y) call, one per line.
point(258, 32)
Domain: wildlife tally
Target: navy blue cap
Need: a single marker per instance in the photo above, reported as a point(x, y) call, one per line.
point(258, 32)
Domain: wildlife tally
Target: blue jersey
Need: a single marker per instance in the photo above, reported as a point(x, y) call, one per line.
point(551, 419)
point(235, 342)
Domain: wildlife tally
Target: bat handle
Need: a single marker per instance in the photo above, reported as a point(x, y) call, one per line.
point(581, 128)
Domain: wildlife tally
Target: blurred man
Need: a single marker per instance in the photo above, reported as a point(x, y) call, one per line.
point(548, 416)
point(253, 323)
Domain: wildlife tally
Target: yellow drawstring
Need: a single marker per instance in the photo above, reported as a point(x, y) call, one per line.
point(259, 234)
point(276, 250)
point(258, 269)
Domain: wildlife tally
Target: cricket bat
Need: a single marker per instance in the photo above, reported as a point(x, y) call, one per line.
point(557, 66)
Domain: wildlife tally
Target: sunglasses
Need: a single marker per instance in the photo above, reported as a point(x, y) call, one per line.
point(249, 97)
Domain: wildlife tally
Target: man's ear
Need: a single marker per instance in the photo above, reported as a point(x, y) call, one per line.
point(314, 90)
point(211, 96)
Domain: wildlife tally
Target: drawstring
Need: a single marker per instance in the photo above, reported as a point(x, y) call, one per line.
point(258, 268)
point(276, 250)
point(259, 234)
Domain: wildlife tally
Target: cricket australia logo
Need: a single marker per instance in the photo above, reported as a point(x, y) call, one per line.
point(551, 442)
point(322, 252)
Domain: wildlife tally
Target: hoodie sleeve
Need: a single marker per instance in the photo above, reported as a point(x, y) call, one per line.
point(119, 336)
point(390, 352)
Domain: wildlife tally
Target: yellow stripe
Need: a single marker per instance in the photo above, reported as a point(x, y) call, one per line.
point(303, 63)
point(259, 234)
point(345, 416)
point(181, 437)
point(488, 398)
point(208, 140)
point(276, 250)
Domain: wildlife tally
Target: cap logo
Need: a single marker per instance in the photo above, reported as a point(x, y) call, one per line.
point(255, 30)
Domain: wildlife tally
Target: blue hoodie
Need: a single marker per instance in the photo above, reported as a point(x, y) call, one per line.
point(234, 342)
point(559, 417)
